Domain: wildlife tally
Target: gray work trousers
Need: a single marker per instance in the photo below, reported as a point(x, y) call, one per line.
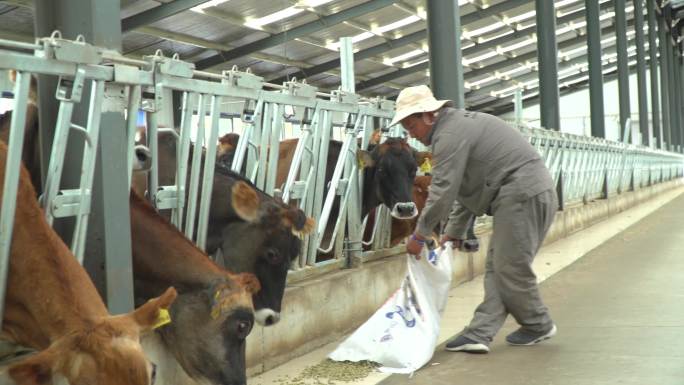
point(509, 282)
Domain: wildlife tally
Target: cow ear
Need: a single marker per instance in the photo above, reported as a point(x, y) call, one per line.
point(227, 143)
point(34, 370)
point(364, 159)
point(245, 201)
point(295, 219)
point(153, 313)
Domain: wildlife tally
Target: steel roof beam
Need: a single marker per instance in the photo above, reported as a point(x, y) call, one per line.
point(396, 43)
point(483, 70)
point(491, 11)
point(528, 31)
point(524, 78)
point(391, 76)
point(158, 13)
point(533, 55)
point(294, 33)
point(501, 106)
point(361, 55)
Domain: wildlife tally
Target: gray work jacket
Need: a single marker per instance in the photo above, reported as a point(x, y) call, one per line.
point(477, 159)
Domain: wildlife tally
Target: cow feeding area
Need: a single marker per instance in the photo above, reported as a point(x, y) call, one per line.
point(329, 372)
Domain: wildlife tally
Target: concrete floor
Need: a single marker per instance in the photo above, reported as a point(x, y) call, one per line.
point(616, 291)
point(619, 311)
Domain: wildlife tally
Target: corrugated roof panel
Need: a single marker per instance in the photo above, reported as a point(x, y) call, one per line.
point(197, 24)
point(133, 7)
point(17, 20)
point(252, 8)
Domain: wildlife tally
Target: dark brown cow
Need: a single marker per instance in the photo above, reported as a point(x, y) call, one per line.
point(402, 228)
point(264, 244)
point(386, 171)
point(389, 169)
point(52, 306)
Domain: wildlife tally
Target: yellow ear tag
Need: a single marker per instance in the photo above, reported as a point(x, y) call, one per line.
point(362, 164)
point(162, 319)
point(426, 167)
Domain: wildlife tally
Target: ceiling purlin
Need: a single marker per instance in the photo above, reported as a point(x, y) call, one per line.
point(302, 30)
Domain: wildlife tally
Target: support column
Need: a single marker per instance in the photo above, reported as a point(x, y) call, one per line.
point(665, 83)
point(680, 85)
point(653, 69)
point(444, 36)
point(623, 63)
point(109, 235)
point(548, 64)
point(675, 107)
point(677, 69)
point(641, 72)
point(598, 128)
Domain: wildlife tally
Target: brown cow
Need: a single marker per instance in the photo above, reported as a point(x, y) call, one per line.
point(213, 313)
point(52, 306)
point(188, 345)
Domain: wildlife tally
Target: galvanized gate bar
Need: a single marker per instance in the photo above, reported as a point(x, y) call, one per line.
point(90, 148)
point(193, 188)
point(134, 98)
point(208, 185)
point(67, 98)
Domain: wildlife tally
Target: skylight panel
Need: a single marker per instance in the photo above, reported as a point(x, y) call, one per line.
point(397, 24)
point(274, 17)
point(481, 31)
point(212, 3)
point(402, 57)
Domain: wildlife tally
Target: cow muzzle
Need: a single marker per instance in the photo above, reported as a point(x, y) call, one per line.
point(404, 210)
point(266, 317)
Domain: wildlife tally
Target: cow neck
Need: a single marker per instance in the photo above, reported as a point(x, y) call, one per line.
point(62, 298)
point(163, 254)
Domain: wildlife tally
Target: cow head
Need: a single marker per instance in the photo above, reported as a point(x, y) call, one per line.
point(390, 168)
point(106, 352)
point(213, 353)
point(263, 242)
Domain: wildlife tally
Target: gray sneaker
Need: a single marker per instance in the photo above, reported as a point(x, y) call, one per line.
point(465, 344)
point(523, 337)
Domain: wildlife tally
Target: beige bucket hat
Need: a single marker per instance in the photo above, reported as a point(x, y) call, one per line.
point(416, 99)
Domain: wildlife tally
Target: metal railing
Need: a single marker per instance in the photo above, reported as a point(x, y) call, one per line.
point(589, 168)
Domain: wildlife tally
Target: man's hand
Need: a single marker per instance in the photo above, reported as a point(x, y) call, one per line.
point(414, 245)
point(455, 242)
